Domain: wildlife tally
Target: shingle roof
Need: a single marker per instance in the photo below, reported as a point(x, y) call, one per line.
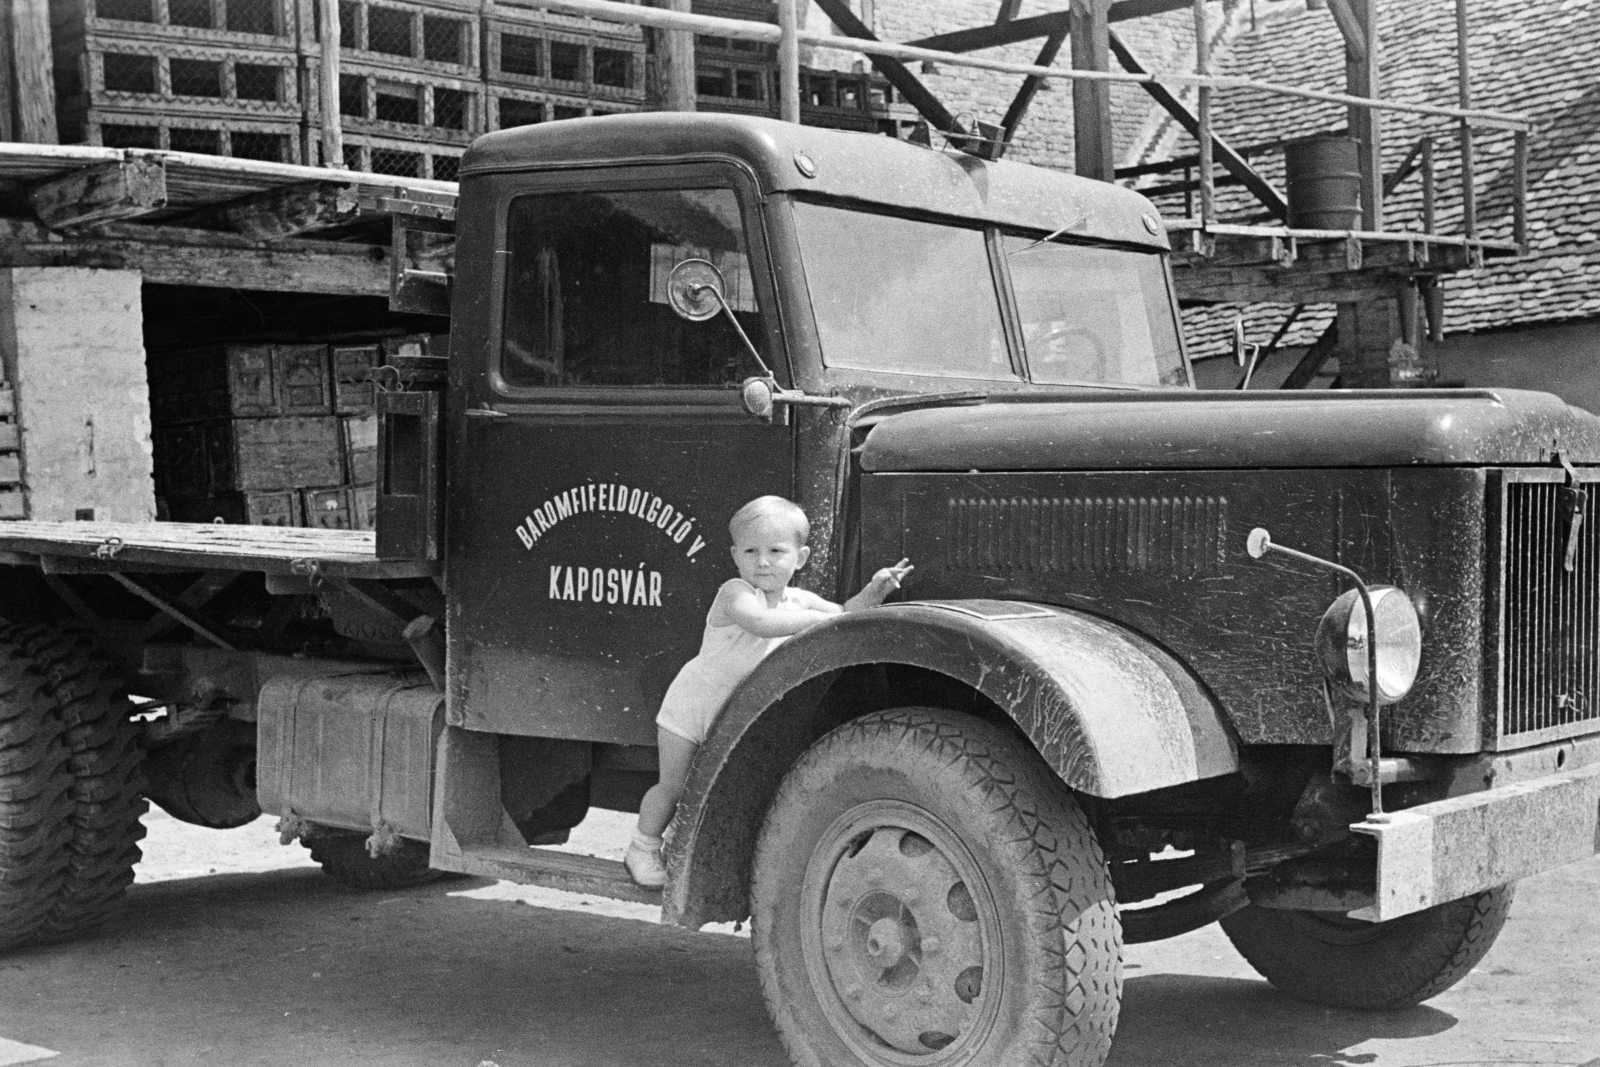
point(1541, 58)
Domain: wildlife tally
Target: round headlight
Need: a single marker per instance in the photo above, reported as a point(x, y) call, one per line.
point(1342, 643)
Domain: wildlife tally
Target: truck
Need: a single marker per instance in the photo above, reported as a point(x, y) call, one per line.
point(1313, 665)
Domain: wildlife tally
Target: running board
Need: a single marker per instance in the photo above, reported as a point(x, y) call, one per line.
point(552, 869)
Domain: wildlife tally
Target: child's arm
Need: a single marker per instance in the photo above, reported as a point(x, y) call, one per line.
point(883, 583)
point(746, 608)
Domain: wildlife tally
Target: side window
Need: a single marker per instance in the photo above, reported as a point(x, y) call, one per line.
point(586, 290)
point(902, 295)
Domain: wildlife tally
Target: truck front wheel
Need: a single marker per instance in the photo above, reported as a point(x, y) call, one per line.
point(35, 806)
point(1346, 963)
point(925, 890)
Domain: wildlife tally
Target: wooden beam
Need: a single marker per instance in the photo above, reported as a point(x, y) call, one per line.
point(1134, 9)
point(332, 138)
point(1007, 11)
point(103, 193)
point(1315, 357)
point(1361, 79)
point(1094, 145)
point(1030, 85)
point(8, 81)
point(1269, 285)
point(1231, 160)
point(908, 85)
point(293, 209)
point(35, 88)
point(1350, 28)
point(996, 35)
point(170, 256)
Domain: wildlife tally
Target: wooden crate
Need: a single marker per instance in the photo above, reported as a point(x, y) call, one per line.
point(170, 79)
point(331, 508)
point(439, 37)
point(252, 24)
point(285, 452)
point(508, 108)
point(276, 508)
point(275, 142)
point(219, 381)
point(541, 53)
point(401, 105)
point(358, 441)
point(364, 506)
point(13, 503)
point(354, 388)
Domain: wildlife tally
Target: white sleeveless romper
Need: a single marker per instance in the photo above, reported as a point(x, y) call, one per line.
point(727, 656)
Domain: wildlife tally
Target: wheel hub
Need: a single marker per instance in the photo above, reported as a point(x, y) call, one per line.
point(901, 941)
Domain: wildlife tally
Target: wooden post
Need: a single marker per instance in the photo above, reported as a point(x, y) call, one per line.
point(673, 87)
point(1202, 64)
point(1361, 79)
point(1519, 191)
point(1093, 145)
point(34, 91)
point(7, 78)
point(789, 60)
point(1429, 221)
point(1469, 194)
point(332, 124)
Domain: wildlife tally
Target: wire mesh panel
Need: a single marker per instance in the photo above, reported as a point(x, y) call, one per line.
point(262, 23)
point(196, 77)
point(164, 78)
point(508, 107)
point(391, 103)
point(399, 158)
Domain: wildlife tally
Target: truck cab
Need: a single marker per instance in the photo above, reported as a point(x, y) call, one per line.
point(1314, 665)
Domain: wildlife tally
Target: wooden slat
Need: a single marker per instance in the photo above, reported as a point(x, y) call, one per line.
point(171, 256)
point(996, 35)
point(35, 98)
point(206, 546)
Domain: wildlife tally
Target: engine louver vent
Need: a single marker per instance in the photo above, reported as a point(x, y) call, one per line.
point(1177, 537)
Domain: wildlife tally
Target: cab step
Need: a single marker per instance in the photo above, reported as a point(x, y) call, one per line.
point(553, 869)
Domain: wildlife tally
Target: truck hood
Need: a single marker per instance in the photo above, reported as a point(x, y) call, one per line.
point(1209, 430)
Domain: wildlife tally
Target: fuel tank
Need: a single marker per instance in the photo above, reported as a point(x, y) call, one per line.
point(1186, 430)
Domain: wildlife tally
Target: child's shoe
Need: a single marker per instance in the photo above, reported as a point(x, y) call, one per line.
point(645, 867)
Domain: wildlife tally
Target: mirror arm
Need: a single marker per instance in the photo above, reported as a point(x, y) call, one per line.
point(728, 311)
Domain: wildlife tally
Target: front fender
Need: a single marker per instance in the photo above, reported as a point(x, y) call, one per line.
point(1110, 711)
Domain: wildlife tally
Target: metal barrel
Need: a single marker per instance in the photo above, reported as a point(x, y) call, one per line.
point(1324, 177)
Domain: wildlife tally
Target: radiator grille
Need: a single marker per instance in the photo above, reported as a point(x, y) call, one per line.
point(1178, 537)
point(1551, 623)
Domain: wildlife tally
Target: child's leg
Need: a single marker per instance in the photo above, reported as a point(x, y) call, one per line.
point(674, 754)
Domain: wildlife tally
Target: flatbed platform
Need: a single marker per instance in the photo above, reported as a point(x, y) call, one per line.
point(78, 547)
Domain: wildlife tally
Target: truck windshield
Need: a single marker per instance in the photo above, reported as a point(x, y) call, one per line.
point(1099, 315)
point(895, 294)
point(586, 290)
point(917, 297)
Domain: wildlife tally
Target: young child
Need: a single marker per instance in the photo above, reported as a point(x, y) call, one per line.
point(752, 614)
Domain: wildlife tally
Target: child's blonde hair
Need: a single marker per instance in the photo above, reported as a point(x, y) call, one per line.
point(777, 507)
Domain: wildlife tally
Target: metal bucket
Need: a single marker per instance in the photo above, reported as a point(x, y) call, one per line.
point(1324, 175)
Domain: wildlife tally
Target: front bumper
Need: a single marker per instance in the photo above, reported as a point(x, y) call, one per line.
point(1435, 853)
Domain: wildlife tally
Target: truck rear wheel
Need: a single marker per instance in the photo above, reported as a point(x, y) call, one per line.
point(926, 891)
point(103, 766)
point(345, 859)
point(35, 807)
point(1329, 959)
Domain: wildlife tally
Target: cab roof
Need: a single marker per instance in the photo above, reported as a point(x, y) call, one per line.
point(853, 166)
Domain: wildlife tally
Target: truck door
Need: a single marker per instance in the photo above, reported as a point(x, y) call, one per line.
point(605, 449)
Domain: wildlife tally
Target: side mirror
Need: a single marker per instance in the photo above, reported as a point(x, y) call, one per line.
point(694, 290)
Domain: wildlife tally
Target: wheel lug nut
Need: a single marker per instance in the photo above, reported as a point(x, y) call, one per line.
point(853, 991)
point(930, 946)
point(835, 943)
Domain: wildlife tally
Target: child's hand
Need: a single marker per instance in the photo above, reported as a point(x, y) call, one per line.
point(888, 580)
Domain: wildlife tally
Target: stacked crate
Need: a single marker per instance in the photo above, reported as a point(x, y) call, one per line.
point(275, 435)
point(214, 76)
point(540, 66)
point(13, 505)
point(411, 94)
